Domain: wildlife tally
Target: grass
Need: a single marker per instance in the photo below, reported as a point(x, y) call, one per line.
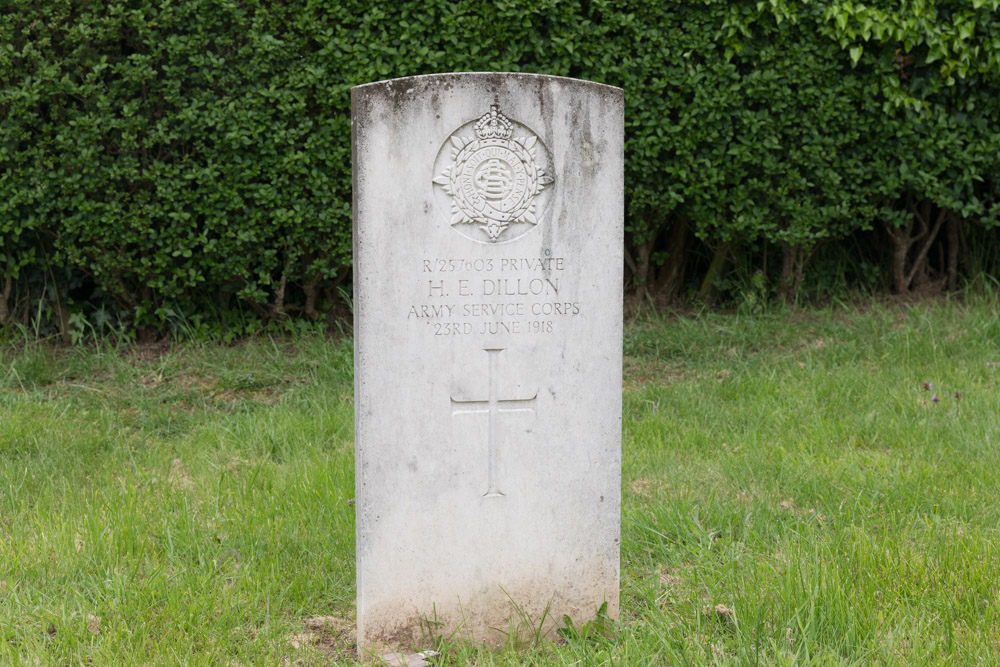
point(792, 495)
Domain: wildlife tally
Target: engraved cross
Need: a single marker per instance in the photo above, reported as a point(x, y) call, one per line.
point(493, 406)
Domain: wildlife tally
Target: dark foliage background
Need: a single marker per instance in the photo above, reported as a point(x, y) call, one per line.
point(187, 163)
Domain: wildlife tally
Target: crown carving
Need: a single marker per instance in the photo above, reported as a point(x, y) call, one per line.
point(494, 125)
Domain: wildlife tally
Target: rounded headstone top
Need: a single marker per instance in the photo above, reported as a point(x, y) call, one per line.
point(498, 149)
point(414, 84)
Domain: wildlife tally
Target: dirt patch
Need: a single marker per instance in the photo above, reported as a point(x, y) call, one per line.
point(148, 351)
point(178, 476)
point(637, 372)
point(640, 487)
point(789, 506)
point(151, 381)
point(238, 389)
point(185, 382)
point(193, 381)
point(669, 581)
point(331, 635)
point(721, 613)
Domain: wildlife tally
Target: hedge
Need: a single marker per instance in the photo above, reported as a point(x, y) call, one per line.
point(172, 163)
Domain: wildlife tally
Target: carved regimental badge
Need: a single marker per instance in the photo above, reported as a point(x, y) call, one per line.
point(495, 181)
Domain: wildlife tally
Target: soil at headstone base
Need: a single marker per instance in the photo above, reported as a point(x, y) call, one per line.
point(331, 635)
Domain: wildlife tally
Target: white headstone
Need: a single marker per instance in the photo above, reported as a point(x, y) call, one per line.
point(488, 222)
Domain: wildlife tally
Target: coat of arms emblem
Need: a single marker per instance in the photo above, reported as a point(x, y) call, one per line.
point(494, 180)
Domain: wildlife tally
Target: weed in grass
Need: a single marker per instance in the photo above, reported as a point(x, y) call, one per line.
point(524, 631)
point(431, 629)
point(600, 628)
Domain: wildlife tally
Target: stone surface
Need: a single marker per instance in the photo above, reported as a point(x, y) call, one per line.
point(488, 303)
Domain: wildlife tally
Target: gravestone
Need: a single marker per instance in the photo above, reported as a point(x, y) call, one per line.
point(488, 335)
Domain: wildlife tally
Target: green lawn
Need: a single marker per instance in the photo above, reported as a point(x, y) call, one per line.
point(792, 495)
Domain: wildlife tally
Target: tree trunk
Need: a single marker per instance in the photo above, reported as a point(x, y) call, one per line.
point(147, 334)
point(919, 234)
point(8, 288)
point(312, 292)
point(920, 273)
point(278, 306)
point(707, 292)
point(62, 312)
point(786, 285)
point(122, 296)
point(641, 262)
point(670, 277)
point(642, 269)
point(793, 265)
point(953, 248)
point(901, 243)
